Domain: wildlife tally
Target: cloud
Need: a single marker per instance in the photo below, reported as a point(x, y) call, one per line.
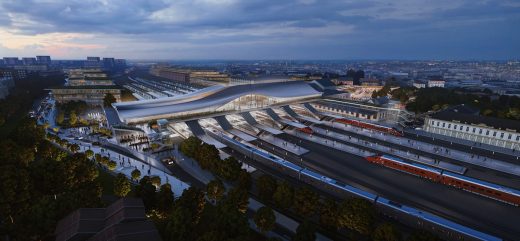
point(262, 28)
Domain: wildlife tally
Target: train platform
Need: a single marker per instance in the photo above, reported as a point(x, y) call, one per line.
point(292, 123)
point(514, 154)
point(268, 129)
point(332, 144)
point(242, 135)
point(290, 147)
point(209, 140)
point(309, 119)
point(395, 152)
point(458, 155)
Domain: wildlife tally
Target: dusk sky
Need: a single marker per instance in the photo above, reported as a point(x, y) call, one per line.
point(261, 29)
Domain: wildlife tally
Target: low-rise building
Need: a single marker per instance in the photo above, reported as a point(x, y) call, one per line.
point(92, 95)
point(465, 123)
point(123, 220)
point(419, 84)
point(436, 83)
point(85, 77)
point(89, 85)
point(189, 75)
point(14, 74)
point(370, 82)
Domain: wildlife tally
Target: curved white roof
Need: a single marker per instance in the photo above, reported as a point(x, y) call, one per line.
point(213, 96)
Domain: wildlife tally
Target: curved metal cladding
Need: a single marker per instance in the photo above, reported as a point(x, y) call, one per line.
point(211, 97)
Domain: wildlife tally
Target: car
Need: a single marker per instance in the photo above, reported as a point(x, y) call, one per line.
point(169, 160)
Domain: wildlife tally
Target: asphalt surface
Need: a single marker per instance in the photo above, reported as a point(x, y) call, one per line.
point(472, 170)
point(460, 206)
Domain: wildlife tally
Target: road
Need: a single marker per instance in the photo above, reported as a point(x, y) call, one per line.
point(457, 205)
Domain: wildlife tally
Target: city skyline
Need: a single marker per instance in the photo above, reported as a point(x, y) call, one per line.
point(238, 30)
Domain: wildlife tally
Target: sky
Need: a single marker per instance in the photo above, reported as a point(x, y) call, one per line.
point(262, 29)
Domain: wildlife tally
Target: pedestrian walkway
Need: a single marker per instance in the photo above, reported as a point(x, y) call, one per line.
point(470, 158)
point(126, 165)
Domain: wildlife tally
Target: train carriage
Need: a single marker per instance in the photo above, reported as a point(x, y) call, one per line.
point(306, 130)
point(412, 168)
point(487, 189)
point(370, 126)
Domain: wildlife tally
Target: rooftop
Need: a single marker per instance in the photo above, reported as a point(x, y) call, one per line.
point(467, 115)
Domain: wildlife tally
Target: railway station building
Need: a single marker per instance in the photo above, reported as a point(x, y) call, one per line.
point(217, 99)
point(463, 123)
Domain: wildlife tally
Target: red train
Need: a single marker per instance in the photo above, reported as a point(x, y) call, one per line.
point(473, 185)
point(370, 126)
point(307, 130)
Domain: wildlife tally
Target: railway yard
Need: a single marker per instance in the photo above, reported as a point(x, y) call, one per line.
point(457, 190)
point(340, 153)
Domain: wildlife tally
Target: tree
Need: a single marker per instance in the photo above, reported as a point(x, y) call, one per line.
point(421, 235)
point(74, 148)
point(207, 156)
point(98, 158)
point(215, 190)
point(108, 99)
point(306, 231)
point(264, 219)
point(283, 196)
point(386, 232)
point(165, 199)
point(89, 154)
point(147, 191)
point(238, 198)
point(178, 225)
point(156, 181)
point(229, 168)
point(73, 118)
point(356, 75)
point(60, 118)
point(305, 201)
point(190, 146)
point(112, 165)
point(244, 180)
point(136, 174)
point(193, 199)
point(329, 214)
point(121, 185)
point(356, 214)
point(266, 186)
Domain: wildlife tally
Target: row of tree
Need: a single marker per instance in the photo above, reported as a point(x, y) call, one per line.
point(351, 214)
point(40, 183)
point(208, 158)
point(503, 106)
point(73, 110)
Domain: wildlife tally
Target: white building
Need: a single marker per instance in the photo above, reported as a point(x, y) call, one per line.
point(419, 85)
point(459, 123)
point(436, 83)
